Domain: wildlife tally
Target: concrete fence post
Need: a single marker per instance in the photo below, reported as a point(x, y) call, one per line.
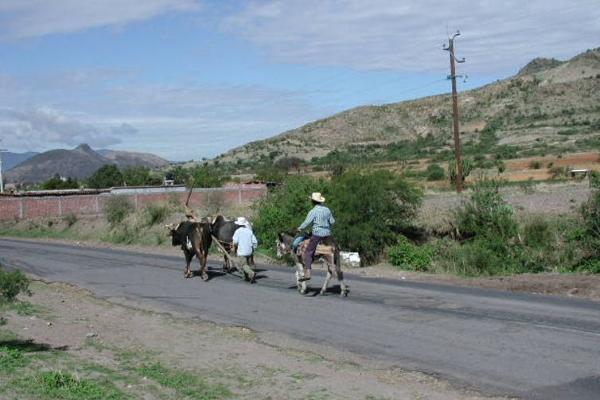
point(60, 211)
point(20, 208)
point(97, 204)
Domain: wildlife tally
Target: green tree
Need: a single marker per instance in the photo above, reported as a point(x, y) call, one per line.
point(370, 207)
point(179, 174)
point(206, 176)
point(105, 177)
point(58, 183)
point(140, 176)
point(284, 208)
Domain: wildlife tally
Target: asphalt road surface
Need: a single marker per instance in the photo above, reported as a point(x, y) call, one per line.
point(530, 346)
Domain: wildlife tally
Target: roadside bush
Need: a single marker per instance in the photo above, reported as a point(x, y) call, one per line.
point(538, 233)
point(370, 208)
point(486, 214)
point(595, 179)
point(590, 212)
point(407, 255)
point(70, 219)
point(117, 208)
point(156, 213)
point(285, 207)
point(11, 284)
point(435, 173)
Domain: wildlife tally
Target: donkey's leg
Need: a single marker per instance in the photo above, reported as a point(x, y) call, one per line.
point(299, 275)
point(344, 289)
point(327, 277)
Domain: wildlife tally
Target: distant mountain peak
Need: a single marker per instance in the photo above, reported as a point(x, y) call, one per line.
point(84, 147)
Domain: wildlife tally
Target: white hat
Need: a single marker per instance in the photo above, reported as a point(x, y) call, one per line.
point(242, 221)
point(316, 196)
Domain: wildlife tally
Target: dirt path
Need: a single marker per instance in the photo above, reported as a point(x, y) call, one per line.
point(117, 334)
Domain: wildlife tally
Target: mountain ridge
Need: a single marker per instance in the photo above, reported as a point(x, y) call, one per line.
point(548, 102)
point(78, 163)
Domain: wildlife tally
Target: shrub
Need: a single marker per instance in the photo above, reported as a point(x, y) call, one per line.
point(408, 255)
point(371, 207)
point(486, 214)
point(590, 212)
point(435, 172)
point(285, 207)
point(467, 167)
point(156, 213)
point(595, 179)
point(535, 164)
point(70, 219)
point(558, 172)
point(11, 284)
point(538, 233)
point(117, 208)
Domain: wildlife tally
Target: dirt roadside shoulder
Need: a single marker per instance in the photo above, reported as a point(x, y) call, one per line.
point(127, 343)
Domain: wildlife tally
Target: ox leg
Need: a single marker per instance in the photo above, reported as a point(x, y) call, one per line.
point(202, 260)
point(187, 273)
point(226, 264)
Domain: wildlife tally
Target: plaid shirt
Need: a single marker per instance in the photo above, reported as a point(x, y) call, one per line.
point(321, 219)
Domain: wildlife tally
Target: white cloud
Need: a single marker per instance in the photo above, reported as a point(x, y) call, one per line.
point(44, 127)
point(178, 122)
point(31, 18)
point(498, 36)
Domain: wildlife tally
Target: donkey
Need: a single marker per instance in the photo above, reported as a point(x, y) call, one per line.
point(284, 246)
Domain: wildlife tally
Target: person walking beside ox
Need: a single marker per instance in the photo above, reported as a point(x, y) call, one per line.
point(244, 244)
point(321, 219)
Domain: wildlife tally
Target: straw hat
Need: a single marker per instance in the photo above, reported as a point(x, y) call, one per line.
point(316, 196)
point(242, 221)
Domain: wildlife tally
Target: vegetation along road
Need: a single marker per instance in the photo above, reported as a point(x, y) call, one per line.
point(529, 346)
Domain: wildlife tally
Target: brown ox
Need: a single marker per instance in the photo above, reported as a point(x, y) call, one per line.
point(195, 240)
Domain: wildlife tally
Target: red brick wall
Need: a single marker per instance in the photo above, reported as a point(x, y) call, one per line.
point(33, 207)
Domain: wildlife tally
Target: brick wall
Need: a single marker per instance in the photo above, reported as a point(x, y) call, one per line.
point(12, 208)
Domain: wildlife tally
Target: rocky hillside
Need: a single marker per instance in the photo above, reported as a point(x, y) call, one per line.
point(550, 106)
point(79, 163)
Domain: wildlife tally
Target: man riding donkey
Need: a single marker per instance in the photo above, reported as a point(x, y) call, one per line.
point(321, 219)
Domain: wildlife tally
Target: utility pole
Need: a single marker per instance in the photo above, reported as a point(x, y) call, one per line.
point(452, 77)
point(1, 181)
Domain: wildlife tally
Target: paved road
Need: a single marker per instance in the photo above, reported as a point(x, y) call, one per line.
point(535, 347)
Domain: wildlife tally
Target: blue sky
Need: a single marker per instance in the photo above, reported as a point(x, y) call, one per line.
point(188, 79)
